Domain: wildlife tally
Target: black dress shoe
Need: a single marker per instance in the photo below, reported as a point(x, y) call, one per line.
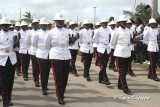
point(88, 78)
point(37, 84)
point(127, 91)
point(44, 92)
point(10, 103)
point(76, 74)
point(150, 77)
point(115, 70)
point(5, 105)
point(101, 81)
point(107, 83)
point(156, 79)
point(25, 78)
point(132, 74)
point(61, 101)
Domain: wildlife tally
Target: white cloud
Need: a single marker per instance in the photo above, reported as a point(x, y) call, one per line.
point(70, 8)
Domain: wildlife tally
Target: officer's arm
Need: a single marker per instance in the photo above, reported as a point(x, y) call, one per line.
point(145, 36)
point(47, 40)
point(27, 39)
point(35, 40)
point(113, 40)
point(96, 37)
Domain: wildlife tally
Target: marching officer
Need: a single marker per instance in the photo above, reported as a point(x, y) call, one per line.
point(32, 50)
point(112, 66)
point(42, 54)
point(121, 40)
point(102, 37)
point(151, 36)
point(16, 49)
point(57, 41)
point(7, 61)
point(132, 36)
point(73, 48)
point(23, 50)
point(86, 48)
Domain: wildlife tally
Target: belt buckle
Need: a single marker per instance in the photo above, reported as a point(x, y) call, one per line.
point(7, 51)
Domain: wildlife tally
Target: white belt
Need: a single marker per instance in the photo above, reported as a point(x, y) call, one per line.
point(87, 43)
point(124, 44)
point(60, 46)
point(103, 43)
point(41, 47)
point(153, 42)
point(7, 51)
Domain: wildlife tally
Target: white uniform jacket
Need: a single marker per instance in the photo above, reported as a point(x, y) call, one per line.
point(6, 47)
point(57, 40)
point(29, 42)
point(150, 36)
point(101, 37)
point(38, 42)
point(121, 40)
point(23, 47)
point(74, 46)
point(86, 40)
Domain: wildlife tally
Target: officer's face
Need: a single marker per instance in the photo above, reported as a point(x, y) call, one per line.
point(35, 25)
point(59, 23)
point(98, 26)
point(112, 26)
point(5, 27)
point(122, 24)
point(129, 25)
point(87, 26)
point(73, 26)
point(105, 24)
point(153, 25)
point(44, 27)
point(24, 28)
point(17, 28)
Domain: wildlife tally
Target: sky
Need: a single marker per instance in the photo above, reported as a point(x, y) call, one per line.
point(71, 9)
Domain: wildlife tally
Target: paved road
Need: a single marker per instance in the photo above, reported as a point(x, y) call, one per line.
point(81, 93)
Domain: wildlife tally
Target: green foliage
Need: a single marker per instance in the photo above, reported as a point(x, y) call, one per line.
point(28, 17)
point(139, 11)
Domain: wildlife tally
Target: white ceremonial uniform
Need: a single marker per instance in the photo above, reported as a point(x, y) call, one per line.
point(38, 41)
point(86, 41)
point(121, 40)
point(23, 49)
point(74, 46)
point(101, 37)
point(57, 40)
point(6, 48)
point(131, 36)
point(29, 41)
point(94, 44)
point(150, 36)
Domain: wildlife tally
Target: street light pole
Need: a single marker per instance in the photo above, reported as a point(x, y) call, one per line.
point(94, 14)
point(154, 8)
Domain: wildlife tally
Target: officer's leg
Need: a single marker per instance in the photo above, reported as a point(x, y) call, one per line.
point(4, 76)
point(122, 66)
point(27, 63)
point(84, 59)
point(65, 74)
point(48, 71)
point(23, 60)
point(43, 64)
point(111, 64)
point(151, 73)
point(35, 68)
point(57, 67)
point(100, 65)
point(74, 61)
point(18, 64)
point(71, 63)
point(10, 80)
point(90, 60)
